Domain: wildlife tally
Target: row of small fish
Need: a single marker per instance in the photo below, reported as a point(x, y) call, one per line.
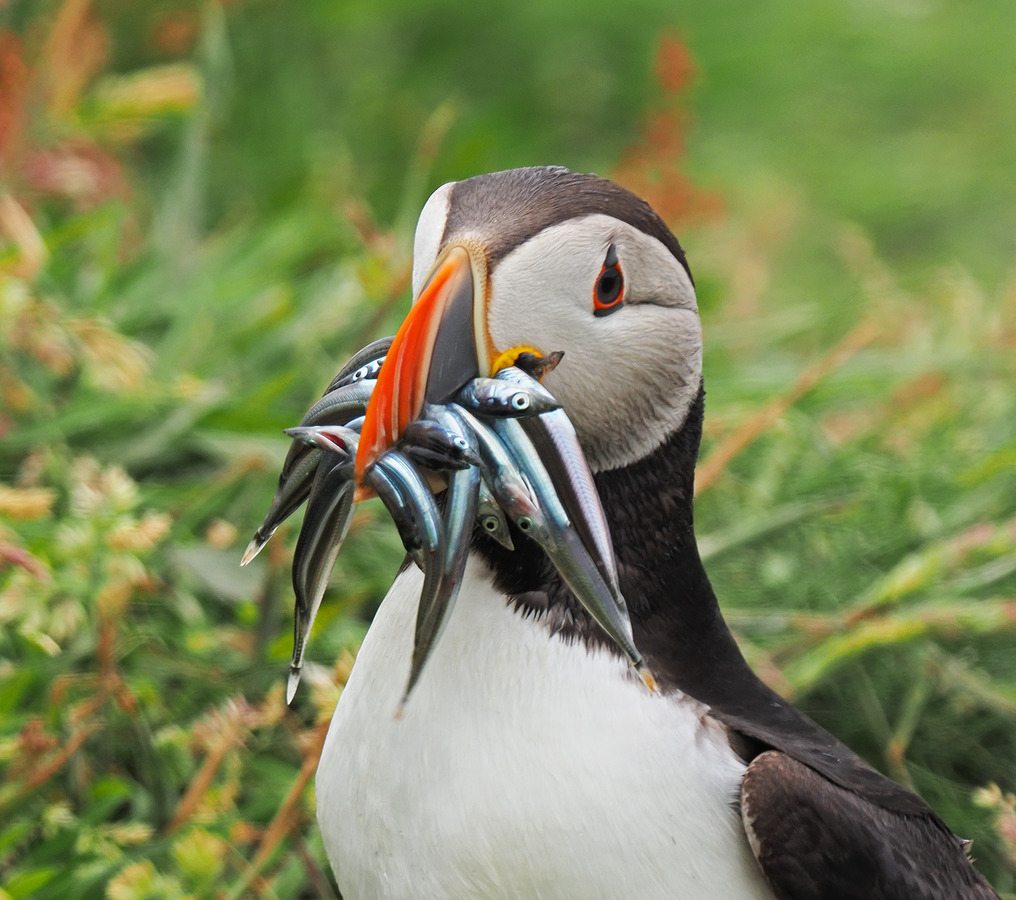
point(506, 452)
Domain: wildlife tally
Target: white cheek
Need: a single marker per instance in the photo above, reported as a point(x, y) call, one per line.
point(628, 387)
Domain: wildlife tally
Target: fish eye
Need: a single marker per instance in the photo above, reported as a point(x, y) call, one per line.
point(489, 523)
point(520, 402)
point(460, 442)
point(525, 523)
point(608, 292)
point(361, 373)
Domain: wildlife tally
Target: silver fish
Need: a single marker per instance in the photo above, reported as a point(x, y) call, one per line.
point(489, 515)
point(509, 487)
point(434, 611)
point(365, 363)
point(291, 492)
point(491, 518)
point(295, 480)
point(565, 548)
point(498, 397)
point(325, 525)
point(411, 505)
point(557, 446)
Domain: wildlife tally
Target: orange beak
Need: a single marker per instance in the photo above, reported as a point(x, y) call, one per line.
point(440, 346)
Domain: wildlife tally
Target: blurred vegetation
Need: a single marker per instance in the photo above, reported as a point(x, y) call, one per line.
point(204, 207)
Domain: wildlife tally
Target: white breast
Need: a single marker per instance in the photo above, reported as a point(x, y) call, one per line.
point(523, 767)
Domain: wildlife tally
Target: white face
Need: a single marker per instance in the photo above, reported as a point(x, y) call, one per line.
point(628, 377)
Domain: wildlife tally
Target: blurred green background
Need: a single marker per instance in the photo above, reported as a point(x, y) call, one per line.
point(204, 207)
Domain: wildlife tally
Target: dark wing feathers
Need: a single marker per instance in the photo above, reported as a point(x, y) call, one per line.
point(817, 841)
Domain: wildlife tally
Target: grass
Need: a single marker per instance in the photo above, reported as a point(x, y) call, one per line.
point(204, 208)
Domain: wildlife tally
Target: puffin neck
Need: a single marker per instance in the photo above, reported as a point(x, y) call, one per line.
point(675, 616)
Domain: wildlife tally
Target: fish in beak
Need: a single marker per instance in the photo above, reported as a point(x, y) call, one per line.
point(403, 416)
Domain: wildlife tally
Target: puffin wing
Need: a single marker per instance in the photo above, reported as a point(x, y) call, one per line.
point(816, 840)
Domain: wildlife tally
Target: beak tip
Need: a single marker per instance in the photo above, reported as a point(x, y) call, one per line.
point(292, 682)
point(253, 549)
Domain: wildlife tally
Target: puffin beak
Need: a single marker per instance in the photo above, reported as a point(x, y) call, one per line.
point(440, 346)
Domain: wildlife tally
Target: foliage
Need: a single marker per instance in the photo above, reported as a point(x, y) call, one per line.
point(205, 207)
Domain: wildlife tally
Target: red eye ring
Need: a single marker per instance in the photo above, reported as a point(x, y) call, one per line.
point(608, 292)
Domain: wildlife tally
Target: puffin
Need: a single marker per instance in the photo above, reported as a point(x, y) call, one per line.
point(531, 761)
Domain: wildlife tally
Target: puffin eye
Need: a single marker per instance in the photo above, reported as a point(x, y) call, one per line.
point(609, 290)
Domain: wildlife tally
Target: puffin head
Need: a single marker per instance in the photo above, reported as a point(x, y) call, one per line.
point(544, 260)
